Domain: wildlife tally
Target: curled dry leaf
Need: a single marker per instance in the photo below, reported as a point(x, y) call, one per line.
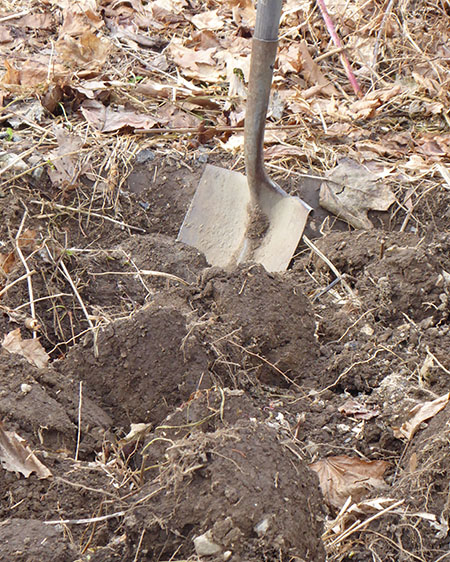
point(17, 456)
point(351, 190)
point(352, 407)
point(419, 414)
point(343, 476)
point(106, 119)
point(65, 159)
point(207, 20)
point(31, 349)
point(195, 63)
point(137, 431)
point(89, 51)
point(312, 73)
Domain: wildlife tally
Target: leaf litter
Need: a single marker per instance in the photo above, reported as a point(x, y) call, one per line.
point(80, 80)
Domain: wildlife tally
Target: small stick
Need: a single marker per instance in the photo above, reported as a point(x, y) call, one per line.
point(14, 16)
point(27, 269)
point(40, 298)
point(380, 31)
point(80, 401)
point(364, 523)
point(21, 278)
point(139, 545)
point(144, 272)
point(92, 214)
point(322, 256)
point(446, 371)
point(84, 521)
point(220, 129)
point(330, 26)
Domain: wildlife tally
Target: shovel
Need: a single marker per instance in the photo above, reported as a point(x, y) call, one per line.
point(235, 218)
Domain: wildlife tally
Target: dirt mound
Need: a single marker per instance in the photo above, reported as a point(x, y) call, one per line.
point(145, 365)
point(261, 314)
point(236, 492)
point(23, 540)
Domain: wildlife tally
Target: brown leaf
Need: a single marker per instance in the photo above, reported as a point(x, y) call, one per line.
point(354, 190)
point(343, 476)
point(177, 118)
point(31, 349)
point(279, 150)
point(17, 456)
point(5, 34)
point(65, 159)
point(195, 63)
point(290, 59)
point(7, 262)
point(36, 21)
point(363, 109)
point(312, 73)
point(419, 414)
point(80, 17)
point(27, 240)
point(87, 51)
point(353, 408)
point(106, 119)
point(12, 74)
point(33, 72)
point(244, 13)
point(207, 20)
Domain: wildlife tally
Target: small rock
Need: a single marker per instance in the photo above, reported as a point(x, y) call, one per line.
point(144, 156)
point(205, 546)
point(25, 388)
point(262, 526)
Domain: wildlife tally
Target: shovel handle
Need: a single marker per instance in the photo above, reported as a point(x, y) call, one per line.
point(268, 13)
point(264, 52)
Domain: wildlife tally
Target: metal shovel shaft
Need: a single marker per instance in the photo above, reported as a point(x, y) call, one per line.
point(264, 52)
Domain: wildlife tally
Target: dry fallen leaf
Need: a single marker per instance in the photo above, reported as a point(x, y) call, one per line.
point(80, 17)
point(195, 63)
point(89, 51)
point(353, 191)
point(5, 34)
point(208, 20)
point(419, 414)
point(27, 241)
point(312, 73)
point(352, 407)
point(343, 476)
point(106, 119)
point(16, 456)
point(31, 349)
point(65, 159)
point(137, 431)
point(244, 13)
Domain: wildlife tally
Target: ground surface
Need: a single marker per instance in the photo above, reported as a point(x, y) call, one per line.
point(186, 412)
point(240, 375)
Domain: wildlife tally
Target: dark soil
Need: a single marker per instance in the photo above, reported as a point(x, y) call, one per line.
point(238, 376)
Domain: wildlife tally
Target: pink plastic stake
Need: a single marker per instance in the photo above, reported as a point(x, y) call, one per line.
point(348, 69)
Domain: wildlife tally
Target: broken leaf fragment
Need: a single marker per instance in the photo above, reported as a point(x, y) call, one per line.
point(17, 456)
point(31, 349)
point(351, 190)
point(419, 414)
point(343, 476)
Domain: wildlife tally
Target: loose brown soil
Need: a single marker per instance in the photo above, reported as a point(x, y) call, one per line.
point(239, 376)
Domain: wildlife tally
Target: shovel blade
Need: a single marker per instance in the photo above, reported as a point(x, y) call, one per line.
point(216, 222)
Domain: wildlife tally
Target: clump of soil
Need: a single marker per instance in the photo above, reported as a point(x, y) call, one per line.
point(23, 540)
point(139, 368)
point(268, 316)
point(236, 487)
